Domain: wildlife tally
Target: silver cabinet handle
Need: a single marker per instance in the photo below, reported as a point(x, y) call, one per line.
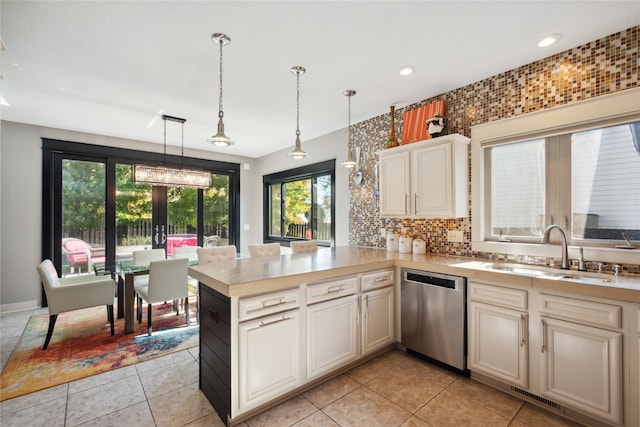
point(523, 330)
point(263, 323)
point(544, 337)
point(273, 302)
point(334, 289)
point(381, 279)
point(406, 200)
point(415, 203)
point(366, 306)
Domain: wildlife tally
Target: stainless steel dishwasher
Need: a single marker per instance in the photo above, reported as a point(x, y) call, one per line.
point(433, 316)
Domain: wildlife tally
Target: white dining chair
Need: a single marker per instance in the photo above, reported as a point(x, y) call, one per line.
point(216, 254)
point(144, 258)
point(74, 293)
point(264, 249)
point(304, 246)
point(167, 282)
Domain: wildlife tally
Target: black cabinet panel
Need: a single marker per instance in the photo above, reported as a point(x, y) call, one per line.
point(215, 350)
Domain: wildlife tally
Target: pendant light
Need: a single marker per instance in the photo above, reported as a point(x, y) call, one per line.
point(349, 163)
point(297, 152)
point(171, 177)
point(220, 139)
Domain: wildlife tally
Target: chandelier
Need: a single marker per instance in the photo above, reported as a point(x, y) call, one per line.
point(166, 176)
point(297, 153)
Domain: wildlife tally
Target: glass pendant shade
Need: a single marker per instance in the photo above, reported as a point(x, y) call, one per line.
point(220, 139)
point(298, 153)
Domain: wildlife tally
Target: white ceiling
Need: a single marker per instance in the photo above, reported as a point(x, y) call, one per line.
point(110, 68)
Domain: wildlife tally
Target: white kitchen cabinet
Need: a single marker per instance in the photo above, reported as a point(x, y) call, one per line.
point(426, 179)
point(498, 333)
point(498, 344)
point(377, 319)
point(332, 334)
point(581, 362)
point(269, 353)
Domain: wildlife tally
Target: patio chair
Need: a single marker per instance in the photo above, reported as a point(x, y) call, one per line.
point(80, 255)
point(74, 293)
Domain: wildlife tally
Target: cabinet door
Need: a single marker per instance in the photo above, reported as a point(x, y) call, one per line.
point(498, 343)
point(377, 319)
point(581, 367)
point(269, 349)
point(331, 334)
point(432, 181)
point(394, 184)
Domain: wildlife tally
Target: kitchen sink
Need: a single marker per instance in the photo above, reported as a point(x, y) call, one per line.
point(548, 273)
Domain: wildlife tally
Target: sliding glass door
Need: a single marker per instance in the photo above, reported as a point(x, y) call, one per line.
point(94, 215)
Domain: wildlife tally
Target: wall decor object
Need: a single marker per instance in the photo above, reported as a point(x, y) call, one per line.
point(415, 121)
point(393, 140)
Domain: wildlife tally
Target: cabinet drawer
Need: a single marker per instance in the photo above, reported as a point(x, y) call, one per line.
point(377, 279)
point(332, 289)
point(261, 305)
point(498, 295)
point(581, 311)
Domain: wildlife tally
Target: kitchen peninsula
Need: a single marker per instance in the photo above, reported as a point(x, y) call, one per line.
point(272, 327)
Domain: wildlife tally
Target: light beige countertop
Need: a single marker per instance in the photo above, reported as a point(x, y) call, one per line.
point(252, 276)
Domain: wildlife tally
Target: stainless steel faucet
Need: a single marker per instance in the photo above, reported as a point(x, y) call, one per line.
point(565, 252)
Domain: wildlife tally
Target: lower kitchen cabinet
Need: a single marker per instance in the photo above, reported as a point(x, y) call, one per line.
point(332, 335)
point(498, 344)
point(581, 367)
point(269, 353)
point(570, 351)
point(377, 319)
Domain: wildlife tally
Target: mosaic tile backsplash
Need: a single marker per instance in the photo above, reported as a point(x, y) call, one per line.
point(601, 67)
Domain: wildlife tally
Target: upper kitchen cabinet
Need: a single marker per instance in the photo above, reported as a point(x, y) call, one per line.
point(426, 179)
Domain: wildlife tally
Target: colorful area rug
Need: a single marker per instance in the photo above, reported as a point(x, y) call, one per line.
point(82, 345)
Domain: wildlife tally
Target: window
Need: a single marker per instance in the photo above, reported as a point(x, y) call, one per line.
point(299, 204)
point(568, 165)
point(530, 186)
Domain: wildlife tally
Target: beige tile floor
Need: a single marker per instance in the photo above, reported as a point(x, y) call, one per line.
point(394, 389)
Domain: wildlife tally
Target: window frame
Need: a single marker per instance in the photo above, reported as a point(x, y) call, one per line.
point(607, 110)
point(304, 172)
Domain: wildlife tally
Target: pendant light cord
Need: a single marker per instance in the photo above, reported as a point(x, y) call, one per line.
point(298, 103)
point(220, 113)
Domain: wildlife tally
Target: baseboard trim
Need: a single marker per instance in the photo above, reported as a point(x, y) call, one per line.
point(18, 306)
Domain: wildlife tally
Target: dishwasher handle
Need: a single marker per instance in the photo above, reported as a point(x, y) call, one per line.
point(426, 279)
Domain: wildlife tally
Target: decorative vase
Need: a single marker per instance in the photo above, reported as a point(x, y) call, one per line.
point(393, 141)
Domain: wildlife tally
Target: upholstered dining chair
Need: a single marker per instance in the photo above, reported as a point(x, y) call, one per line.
point(264, 249)
point(304, 246)
point(190, 252)
point(216, 254)
point(74, 293)
point(144, 257)
point(167, 282)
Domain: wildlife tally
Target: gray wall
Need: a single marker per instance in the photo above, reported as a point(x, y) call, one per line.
point(21, 192)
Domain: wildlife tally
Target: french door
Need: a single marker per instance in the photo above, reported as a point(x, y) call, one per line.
point(94, 215)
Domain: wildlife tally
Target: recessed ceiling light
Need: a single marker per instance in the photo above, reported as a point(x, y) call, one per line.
point(549, 40)
point(4, 102)
point(407, 70)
